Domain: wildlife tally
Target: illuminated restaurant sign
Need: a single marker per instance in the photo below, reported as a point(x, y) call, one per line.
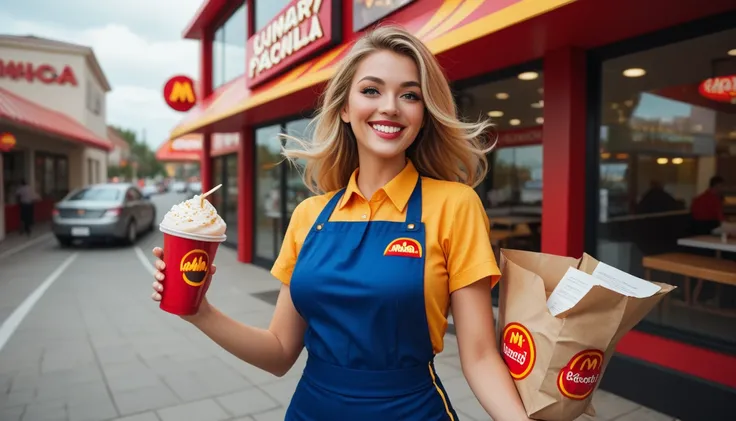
point(224, 143)
point(366, 12)
point(179, 93)
point(44, 73)
point(301, 29)
point(719, 88)
point(7, 142)
point(186, 144)
point(520, 137)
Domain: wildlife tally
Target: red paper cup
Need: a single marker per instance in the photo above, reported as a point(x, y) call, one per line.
point(188, 259)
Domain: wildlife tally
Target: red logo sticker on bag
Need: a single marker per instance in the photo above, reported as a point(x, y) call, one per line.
point(519, 351)
point(405, 247)
point(580, 376)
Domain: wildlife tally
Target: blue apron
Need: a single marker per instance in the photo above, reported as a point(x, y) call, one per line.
point(370, 356)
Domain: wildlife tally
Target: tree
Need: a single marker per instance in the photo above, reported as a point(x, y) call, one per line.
point(140, 153)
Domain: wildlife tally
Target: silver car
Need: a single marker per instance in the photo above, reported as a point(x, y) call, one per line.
point(103, 211)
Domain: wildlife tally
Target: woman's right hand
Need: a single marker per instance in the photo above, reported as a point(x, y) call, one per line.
point(158, 287)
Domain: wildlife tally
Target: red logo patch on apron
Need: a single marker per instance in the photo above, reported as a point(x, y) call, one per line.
point(404, 247)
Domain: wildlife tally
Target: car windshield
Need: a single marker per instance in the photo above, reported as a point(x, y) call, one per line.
point(97, 194)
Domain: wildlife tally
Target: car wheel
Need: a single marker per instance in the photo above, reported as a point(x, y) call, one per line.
point(64, 241)
point(131, 234)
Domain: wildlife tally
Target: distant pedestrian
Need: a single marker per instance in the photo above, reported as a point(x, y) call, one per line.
point(26, 197)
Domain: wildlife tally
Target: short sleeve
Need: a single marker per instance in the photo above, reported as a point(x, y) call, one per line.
point(470, 256)
point(283, 267)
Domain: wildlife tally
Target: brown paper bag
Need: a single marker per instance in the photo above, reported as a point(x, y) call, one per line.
point(557, 361)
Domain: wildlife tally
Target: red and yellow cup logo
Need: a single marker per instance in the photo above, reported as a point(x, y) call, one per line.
point(580, 376)
point(519, 351)
point(194, 267)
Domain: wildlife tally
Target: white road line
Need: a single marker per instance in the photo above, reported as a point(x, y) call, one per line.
point(25, 245)
point(11, 323)
point(144, 260)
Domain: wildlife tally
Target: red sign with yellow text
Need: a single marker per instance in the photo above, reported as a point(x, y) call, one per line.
point(301, 29)
point(179, 93)
point(7, 142)
point(720, 88)
point(580, 376)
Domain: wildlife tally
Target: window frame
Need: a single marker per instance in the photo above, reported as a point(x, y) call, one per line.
point(218, 24)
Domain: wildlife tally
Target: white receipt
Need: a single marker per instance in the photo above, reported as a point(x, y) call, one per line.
point(571, 289)
point(576, 283)
point(623, 283)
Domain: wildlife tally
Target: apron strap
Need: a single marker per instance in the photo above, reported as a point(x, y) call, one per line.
point(324, 216)
point(414, 207)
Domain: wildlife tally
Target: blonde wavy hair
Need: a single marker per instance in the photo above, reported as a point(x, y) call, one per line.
point(446, 148)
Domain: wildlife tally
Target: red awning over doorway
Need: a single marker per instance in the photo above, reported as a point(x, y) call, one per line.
point(21, 112)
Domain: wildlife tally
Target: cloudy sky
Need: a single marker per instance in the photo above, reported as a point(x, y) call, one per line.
point(137, 42)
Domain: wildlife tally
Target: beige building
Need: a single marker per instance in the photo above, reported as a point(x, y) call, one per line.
point(52, 102)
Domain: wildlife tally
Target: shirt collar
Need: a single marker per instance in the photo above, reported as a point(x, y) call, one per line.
point(398, 190)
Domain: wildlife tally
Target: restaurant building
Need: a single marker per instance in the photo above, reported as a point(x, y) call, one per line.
point(611, 118)
point(53, 115)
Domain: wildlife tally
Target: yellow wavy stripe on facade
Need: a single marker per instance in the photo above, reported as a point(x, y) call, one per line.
point(485, 25)
point(460, 14)
point(479, 28)
point(294, 74)
point(327, 59)
point(442, 12)
point(229, 94)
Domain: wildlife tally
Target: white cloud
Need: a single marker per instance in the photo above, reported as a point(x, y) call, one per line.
point(137, 62)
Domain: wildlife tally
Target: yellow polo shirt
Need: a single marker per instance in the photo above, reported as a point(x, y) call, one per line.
point(457, 245)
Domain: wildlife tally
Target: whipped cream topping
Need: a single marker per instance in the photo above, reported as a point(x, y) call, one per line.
point(191, 217)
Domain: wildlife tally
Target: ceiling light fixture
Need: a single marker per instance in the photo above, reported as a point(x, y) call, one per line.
point(528, 75)
point(539, 104)
point(502, 95)
point(495, 113)
point(514, 122)
point(634, 72)
point(662, 161)
point(732, 52)
point(540, 120)
point(677, 161)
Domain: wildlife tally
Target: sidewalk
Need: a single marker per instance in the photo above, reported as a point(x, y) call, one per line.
point(95, 348)
point(15, 242)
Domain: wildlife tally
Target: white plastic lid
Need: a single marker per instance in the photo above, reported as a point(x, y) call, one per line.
point(196, 237)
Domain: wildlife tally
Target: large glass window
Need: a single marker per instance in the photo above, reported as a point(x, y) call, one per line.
point(267, 10)
point(51, 176)
point(225, 172)
point(512, 191)
point(228, 48)
point(268, 215)
point(231, 198)
point(668, 171)
point(279, 186)
point(14, 172)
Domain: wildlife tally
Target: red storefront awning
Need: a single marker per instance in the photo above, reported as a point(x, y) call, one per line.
point(183, 149)
point(21, 112)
